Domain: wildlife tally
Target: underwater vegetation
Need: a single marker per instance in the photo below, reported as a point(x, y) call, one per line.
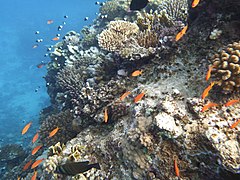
point(149, 94)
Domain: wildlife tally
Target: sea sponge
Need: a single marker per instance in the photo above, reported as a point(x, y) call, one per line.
point(226, 65)
point(117, 33)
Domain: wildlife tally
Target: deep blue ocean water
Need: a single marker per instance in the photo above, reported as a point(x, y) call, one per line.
point(19, 76)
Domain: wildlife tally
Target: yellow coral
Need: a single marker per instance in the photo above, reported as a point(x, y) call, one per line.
point(227, 67)
point(113, 38)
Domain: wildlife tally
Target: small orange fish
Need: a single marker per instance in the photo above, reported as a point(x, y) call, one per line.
point(209, 105)
point(35, 150)
point(231, 102)
point(124, 95)
point(181, 33)
point(137, 73)
point(49, 21)
point(55, 38)
point(53, 132)
point(177, 172)
point(235, 124)
point(25, 129)
point(139, 97)
point(34, 177)
point(206, 91)
point(18, 178)
point(208, 75)
point(36, 163)
point(195, 3)
point(35, 138)
point(105, 115)
point(27, 165)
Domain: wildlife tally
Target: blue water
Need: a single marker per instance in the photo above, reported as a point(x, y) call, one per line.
point(19, 76)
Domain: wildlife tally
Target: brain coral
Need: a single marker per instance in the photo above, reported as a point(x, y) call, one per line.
point(227, 67)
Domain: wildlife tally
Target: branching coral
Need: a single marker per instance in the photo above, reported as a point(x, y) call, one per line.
point(114, 8)
point(124, 38)
point(115, 37)
point(63, 120)
point(227, 67)
point(175, 10)
point(152, 32)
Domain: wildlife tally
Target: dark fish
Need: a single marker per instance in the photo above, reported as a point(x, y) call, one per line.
point(138, 4)
point(74, 168)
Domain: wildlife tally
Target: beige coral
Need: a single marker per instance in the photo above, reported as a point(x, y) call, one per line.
point(227, 67)
point(113, 38)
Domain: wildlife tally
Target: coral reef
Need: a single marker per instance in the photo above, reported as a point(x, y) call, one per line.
point(227, 67)
point(111, 8)
point(174, 10)
point(11, 155)
point(76, 153)
point(216, 128)
point(63, 120)
point(152, 32)
point(141, 140)
point(116, 34)
point(89, 37)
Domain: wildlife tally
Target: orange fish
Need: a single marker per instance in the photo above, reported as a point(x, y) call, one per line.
point(231, 102)
point(139, 97)
point(206, 91)
point(18, 178)
point(137, 73)
point(235, 124)
point(27, 165)
point(124, 95)
point(34, 177)
point(35, 150)
point(177, 172)
point(25, 129)
point(36, 163)
point(105, 115)
point(208, 75)
point(209, 105)
point(53, 132)
point(181, 33)
point(35, 138)
point(49, 21)
point(55, 38)
point(195, 3)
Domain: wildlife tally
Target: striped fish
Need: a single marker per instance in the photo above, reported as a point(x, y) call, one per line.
point(71, 169)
